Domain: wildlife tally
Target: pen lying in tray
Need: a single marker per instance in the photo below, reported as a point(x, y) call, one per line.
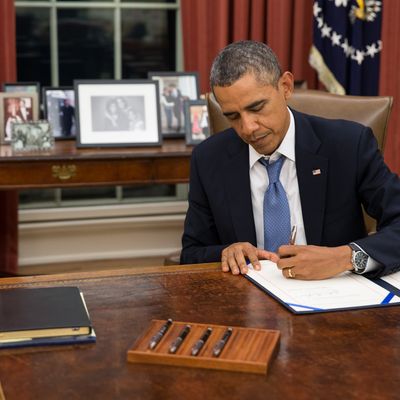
point(205, 346)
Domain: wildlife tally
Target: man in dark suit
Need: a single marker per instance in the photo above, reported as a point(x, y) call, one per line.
point(67, 117)
point(330, 168)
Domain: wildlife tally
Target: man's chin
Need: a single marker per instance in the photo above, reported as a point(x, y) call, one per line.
point(264, 148)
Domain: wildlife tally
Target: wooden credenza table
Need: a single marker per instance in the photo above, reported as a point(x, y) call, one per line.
point(339, 355)
point(68, 166)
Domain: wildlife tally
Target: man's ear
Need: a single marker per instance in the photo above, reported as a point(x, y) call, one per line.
point(286, 84)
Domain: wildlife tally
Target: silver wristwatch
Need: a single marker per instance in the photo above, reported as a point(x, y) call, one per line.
point(358, 259)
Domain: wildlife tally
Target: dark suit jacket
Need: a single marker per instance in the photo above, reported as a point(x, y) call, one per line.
point(352, 173)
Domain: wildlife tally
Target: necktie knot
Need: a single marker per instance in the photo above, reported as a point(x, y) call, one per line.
point(273, 169)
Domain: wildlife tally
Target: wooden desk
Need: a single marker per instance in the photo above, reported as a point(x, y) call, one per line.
point(67, 166)
point(341, 355)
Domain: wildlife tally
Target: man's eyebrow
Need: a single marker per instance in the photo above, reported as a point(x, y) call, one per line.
point(250, 106)
point(255, 104)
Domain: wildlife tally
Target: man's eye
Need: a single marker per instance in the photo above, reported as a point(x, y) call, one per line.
point(232, 117)
point(257, 108)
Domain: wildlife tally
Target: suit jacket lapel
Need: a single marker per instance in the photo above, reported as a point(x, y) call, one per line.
point(312, 174)
point(237, 188)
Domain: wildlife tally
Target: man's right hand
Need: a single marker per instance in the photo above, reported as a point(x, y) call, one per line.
point(233, 257)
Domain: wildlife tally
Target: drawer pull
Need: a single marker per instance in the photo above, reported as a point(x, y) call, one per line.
point(63, 172)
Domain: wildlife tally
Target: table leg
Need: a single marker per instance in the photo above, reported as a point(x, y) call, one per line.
point(8, 232)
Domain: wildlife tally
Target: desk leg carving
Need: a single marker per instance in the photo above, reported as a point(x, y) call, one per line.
point(63, 172)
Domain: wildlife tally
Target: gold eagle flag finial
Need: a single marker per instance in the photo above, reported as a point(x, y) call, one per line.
point(365, 10)
point(360, 11)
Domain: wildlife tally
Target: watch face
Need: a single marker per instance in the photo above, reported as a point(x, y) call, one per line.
point(360, 261)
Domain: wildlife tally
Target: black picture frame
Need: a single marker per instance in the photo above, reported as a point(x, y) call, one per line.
point(117, 113)
point(21, 87)
point(185, 85)
point(197, 121)
point(59, 109)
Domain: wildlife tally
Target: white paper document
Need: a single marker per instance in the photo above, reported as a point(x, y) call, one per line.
point(346, 291)
point(393, 279)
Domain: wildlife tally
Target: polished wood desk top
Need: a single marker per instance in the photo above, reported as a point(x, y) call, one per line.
point(66, 165)
point(340, 355)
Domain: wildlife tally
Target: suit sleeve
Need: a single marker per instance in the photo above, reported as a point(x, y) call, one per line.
point(379, 191)
point(200, 241)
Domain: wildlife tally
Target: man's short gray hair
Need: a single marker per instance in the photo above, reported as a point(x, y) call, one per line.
point(240, 58)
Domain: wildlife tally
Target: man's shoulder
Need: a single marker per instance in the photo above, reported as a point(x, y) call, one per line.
point(327, 123)
point(218, 143)
point(331, 131)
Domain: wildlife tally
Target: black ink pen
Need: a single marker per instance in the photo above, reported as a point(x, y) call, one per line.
point(200, 343)
point(178, 341)
point(222, 342)
point(157, 337)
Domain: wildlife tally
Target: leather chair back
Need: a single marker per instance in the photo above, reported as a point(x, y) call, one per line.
point(372, 111)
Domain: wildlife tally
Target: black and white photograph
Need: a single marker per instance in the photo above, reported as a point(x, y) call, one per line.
point(117, 113)
point(121, 113)
point(59, 110)
point(197, 121)
point(175, 88)
point(31, 136)
point(16, 108)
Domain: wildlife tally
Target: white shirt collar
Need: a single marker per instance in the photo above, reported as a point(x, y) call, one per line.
point(286, 148)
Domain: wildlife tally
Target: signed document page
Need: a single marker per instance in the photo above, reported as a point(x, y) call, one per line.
point(346, 291)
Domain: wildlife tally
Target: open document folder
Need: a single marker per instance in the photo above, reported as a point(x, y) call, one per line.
point(344, 292)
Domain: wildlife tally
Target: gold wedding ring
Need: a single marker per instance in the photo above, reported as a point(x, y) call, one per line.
point(291, 274)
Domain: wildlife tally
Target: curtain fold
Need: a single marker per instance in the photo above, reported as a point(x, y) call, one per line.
point(205, 27)
point(389, 80)
point(280, 30)
point(8, 199)
point(258, 27)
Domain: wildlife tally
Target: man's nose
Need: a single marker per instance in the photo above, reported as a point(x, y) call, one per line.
point(249, 124)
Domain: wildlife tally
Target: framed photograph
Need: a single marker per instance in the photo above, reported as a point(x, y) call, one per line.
point(21, 87)
point(59, 110)
point(16, 107)
point(117, 113)
point(175, 88)
point(196, 121)
point(31, 136)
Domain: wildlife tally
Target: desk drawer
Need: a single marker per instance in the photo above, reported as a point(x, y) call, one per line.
point(64, 173)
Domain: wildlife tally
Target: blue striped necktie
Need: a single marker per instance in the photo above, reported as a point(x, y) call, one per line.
point(276, 208)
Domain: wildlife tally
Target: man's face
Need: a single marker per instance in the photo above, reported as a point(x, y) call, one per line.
point(256, 111)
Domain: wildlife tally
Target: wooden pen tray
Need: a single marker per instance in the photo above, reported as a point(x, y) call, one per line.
point(247, 350)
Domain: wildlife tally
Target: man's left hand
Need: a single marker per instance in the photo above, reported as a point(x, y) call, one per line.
point(313, 262)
